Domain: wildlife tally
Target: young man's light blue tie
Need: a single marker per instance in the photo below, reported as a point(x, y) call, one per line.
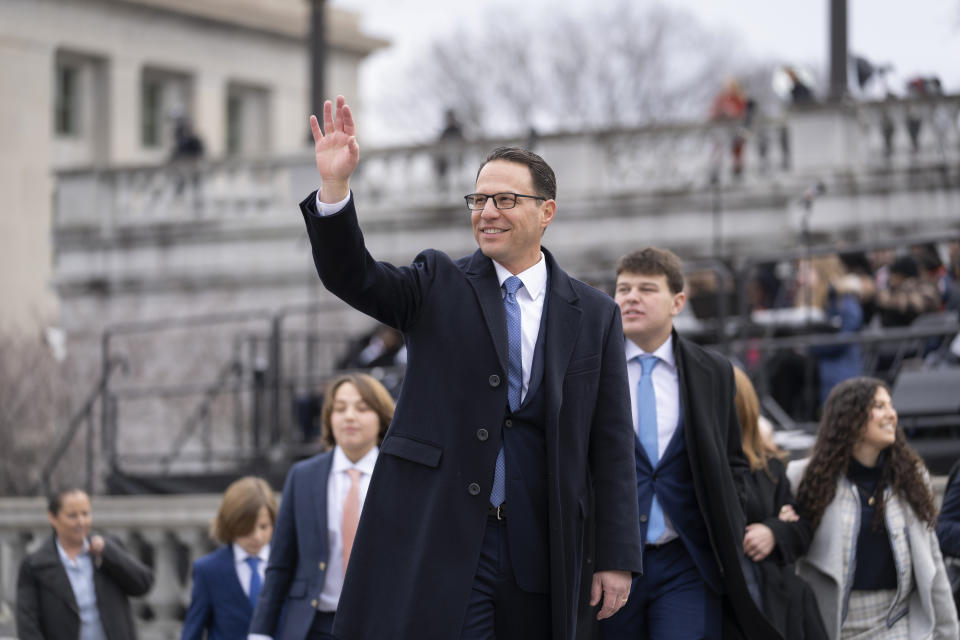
point(514, 377)
point(647, 430)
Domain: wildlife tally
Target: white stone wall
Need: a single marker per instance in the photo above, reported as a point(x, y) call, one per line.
point(250, 42)
point(25, 182)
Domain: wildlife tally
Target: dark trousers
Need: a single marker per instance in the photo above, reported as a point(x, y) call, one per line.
point(670, 601)
point(322, 626)
point(499, 609)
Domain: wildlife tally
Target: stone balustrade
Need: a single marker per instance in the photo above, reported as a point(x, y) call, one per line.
point(166, 532)
point(601, 164)
point(145, 242)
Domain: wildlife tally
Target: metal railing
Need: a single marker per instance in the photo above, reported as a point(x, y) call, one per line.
point(155, 418)
point(84, 417)
point(250, 367)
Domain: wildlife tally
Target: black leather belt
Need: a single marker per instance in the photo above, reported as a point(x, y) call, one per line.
point(500, 513)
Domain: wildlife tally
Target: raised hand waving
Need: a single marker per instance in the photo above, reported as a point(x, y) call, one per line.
point(336, 149)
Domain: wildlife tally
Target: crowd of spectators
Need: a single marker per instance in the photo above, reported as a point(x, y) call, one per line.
point(848, 292)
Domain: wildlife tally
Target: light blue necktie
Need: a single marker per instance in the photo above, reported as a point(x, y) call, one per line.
point(514, 377)
point(255, 582)
point(647, 428)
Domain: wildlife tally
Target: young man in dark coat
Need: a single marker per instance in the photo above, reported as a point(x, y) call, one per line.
point(689, 469)
point(509, 451)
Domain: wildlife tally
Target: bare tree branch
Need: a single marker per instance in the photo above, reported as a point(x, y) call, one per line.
point(618, 65)
point(33, 400)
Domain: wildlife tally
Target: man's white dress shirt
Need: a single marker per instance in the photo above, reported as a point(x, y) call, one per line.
point(338, 484)
point(243, 569)
point(530, 298)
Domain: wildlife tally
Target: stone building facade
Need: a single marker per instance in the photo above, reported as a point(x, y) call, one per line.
point(98, 84)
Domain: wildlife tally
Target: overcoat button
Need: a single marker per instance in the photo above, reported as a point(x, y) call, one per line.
point(473, 488)
point(314, 604)
point(323, 566)
point(508, 423)
point(482, 435)
point(643, 517)
point(494, 380)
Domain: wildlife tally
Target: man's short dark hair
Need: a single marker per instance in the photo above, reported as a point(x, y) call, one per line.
point(544, 180)
point(654, 262)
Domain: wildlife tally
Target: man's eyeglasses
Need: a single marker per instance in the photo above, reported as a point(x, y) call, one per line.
point(477, 201)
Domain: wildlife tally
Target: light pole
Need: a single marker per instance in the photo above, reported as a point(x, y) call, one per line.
point(838, 50)
point(318, 54)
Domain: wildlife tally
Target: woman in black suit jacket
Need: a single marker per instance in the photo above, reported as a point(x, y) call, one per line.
point(53, 604)
point(775, 536)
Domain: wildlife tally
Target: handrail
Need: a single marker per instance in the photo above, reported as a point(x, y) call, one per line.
point(202, 412)
point(84, 415)
point(280, 372)
point(864, 336)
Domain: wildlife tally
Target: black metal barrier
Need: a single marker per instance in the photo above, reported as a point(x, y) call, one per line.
point(215, 393)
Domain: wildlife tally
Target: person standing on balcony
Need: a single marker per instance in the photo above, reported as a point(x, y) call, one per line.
point(77, 585)
point(226, 582)
point(689, 469)
point(449, 143)
point(732, 106)
point(187, 145)
point(502, 505)
point(322, 500)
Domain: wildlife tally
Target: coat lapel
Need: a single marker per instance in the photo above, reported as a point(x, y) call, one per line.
point(899, 540)
point(830, 553)
point(483, 278)
point(227, 570)
point(562, 319)
point(563, 324)
point(690, 373)
point(51, 572)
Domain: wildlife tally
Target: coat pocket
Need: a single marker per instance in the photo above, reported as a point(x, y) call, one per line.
point(298, 589)
point(583, 365)
point(417, 451)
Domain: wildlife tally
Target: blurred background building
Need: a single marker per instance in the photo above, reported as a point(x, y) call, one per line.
point(153, 152)
point(92, 85)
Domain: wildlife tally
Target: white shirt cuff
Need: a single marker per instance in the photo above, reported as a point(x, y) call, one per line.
point(325, 209)
point(258, 636)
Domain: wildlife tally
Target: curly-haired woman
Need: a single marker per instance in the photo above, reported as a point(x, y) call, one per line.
point(874, 562)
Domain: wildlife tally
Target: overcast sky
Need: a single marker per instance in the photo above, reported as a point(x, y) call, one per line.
point(915, 36)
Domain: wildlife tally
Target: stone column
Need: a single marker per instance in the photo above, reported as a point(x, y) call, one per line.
point(13, 547)
point(164, 598)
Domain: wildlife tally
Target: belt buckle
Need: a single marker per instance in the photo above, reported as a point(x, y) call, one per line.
point(500, 512)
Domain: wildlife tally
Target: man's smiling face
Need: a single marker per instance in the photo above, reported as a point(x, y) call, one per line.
point(510, 236)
